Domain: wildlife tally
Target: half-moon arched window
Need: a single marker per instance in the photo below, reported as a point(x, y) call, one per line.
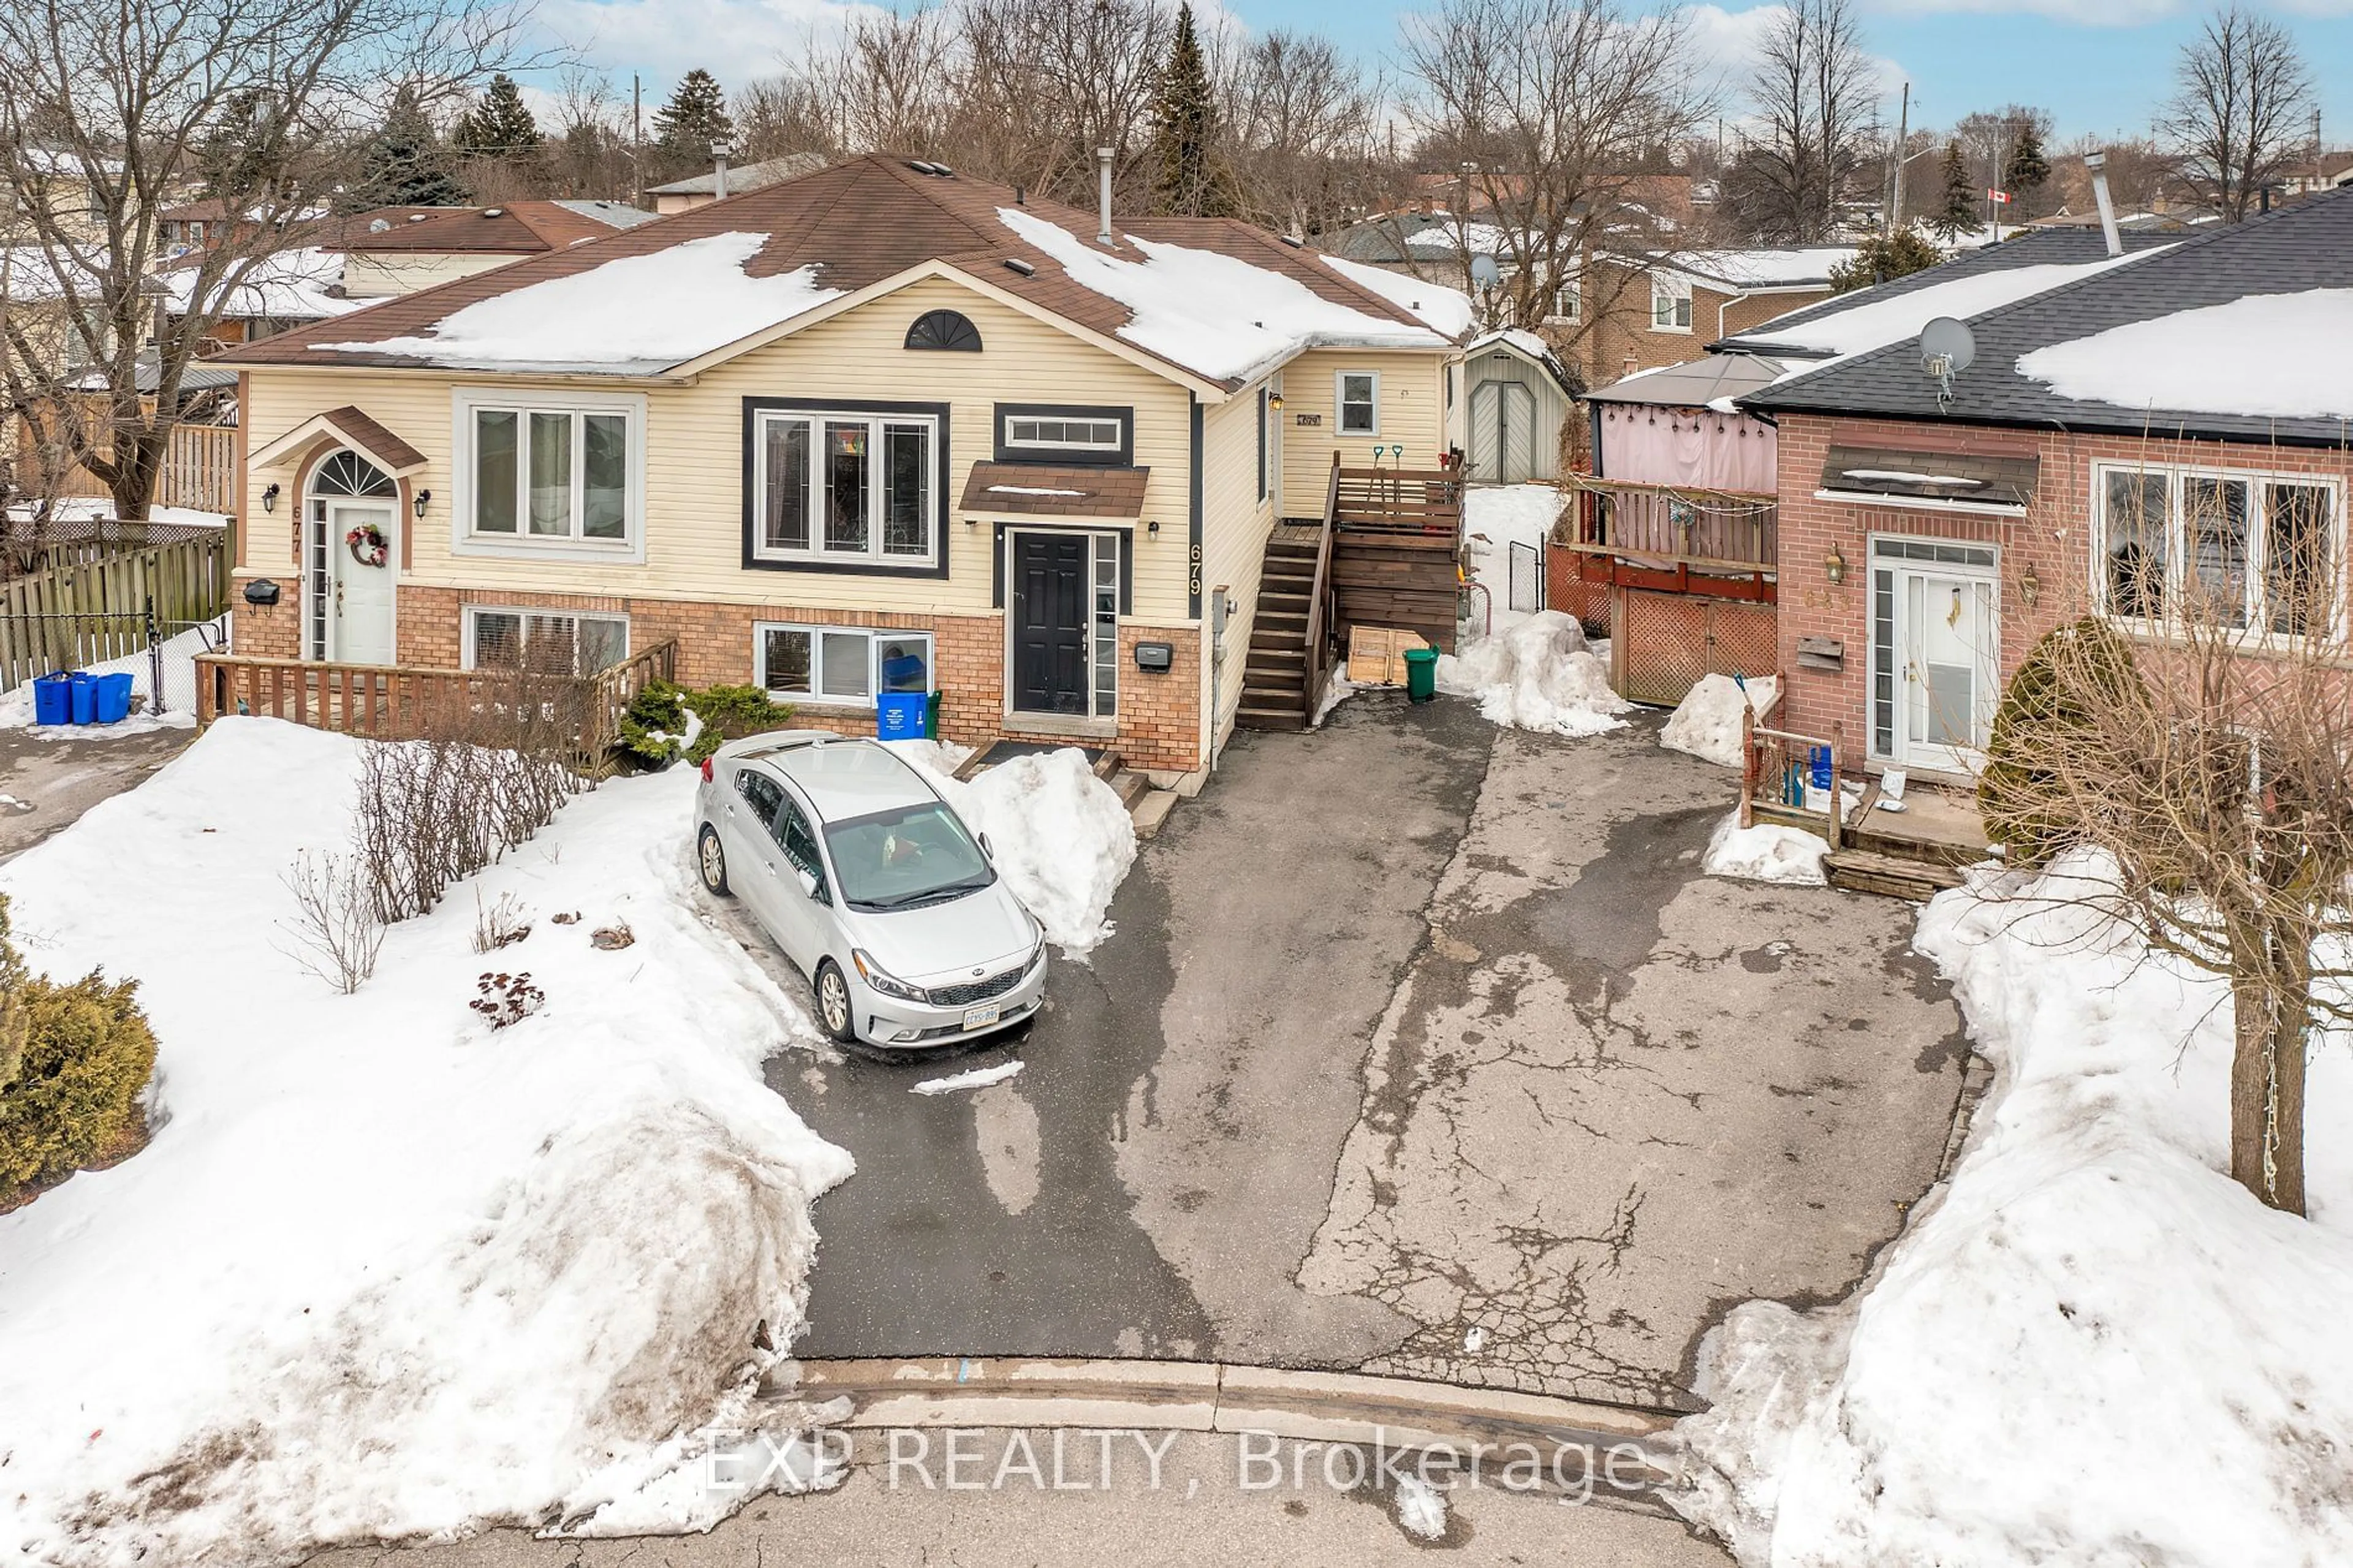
point(948, 331)
point(346, 473)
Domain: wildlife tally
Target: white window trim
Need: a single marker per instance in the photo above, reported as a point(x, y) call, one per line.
point(521, 545)
point(1117, 444)
point(1872, 561)
point(2176, 541)
point(1340, 404)
point(874, 636)
point(1670, 286)
point(1574, 291)
point(472, 612)
point(874, 555)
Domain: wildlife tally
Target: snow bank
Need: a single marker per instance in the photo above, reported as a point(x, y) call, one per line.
point(17, 710)
point(2090, 1346)
point(1214, 314)
point(1706, 724)
point(384, 1271)
point(2265, 356)
point(1506, 515)
point(1538, 675)
point(1769, 852)
point(649, 313)
point(1057, 834)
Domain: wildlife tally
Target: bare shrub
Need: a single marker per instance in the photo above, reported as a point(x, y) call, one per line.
point(499, 924)
point(338, 926)
point(507, 999)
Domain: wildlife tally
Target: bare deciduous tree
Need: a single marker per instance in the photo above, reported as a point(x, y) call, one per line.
point(2239, 114)
point(2208, 759)
point(110, 114)
point(1551, 106)
point(1811, 93)
point(1302, 119)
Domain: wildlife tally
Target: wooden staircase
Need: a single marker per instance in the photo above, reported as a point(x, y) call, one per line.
point(1281, 674)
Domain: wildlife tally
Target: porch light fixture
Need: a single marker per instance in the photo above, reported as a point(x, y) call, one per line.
point(269, 499)
point(1834, 567)
point(423, 498)
point(2029, 587)
point(1274, 401)
point(1152, 527)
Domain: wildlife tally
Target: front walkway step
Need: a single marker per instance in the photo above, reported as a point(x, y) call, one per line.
point(1865, 871)
point(1151, 810)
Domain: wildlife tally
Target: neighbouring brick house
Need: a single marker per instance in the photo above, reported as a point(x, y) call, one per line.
point(879, 428)
point(2169, 429)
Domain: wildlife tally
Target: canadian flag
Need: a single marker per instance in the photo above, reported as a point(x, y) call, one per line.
point(2001, 197)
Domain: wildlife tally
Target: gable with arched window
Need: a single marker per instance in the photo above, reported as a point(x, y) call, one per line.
point(944, 332)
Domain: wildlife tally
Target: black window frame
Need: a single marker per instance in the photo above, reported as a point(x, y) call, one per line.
point(944, 332)
point(753, 561)
point(746, 778)
point(1060, 457)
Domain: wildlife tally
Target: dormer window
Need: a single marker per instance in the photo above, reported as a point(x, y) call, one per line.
point(945, 331)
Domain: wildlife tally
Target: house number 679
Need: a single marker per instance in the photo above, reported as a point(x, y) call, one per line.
point(1193, 571)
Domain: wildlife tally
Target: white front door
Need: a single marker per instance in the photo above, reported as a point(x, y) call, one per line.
point(359, 608)
point(1946, 647)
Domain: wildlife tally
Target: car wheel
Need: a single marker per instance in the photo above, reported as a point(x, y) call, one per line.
point(711, 860)
point(834, 1010)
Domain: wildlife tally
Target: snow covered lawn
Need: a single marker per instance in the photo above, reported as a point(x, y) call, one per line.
point(2090, 1346)
point(384, 1271)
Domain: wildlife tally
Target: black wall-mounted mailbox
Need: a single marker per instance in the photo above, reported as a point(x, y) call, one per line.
point(1155, 655)
point(1821, 653)
point(261, 591)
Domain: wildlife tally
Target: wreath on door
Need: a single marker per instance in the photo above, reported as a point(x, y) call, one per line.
point(368, 545)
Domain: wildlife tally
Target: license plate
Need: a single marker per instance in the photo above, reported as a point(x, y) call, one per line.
point(981, 1018)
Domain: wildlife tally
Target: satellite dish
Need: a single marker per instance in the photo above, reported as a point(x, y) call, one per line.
point(1484, 272)
point(1948, 347)
point(1949, 340)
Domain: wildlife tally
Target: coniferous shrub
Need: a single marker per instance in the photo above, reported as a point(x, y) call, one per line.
point(77, 1058)
point(2045, 714)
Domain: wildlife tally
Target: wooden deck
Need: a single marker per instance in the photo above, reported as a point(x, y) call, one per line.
point(1396, 549)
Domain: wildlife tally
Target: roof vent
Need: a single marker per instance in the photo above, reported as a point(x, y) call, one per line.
point(418, 217)
point(920, 166)
point(494, 212)
point(944, 171)
point(1294, 241)
point(936, 171)
point(1014, 263)
point(379, 224)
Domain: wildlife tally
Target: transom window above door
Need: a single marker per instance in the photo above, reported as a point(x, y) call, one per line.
point(850, 488)
point(1049, 433)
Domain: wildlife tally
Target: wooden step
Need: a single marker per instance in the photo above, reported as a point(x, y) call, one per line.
point(1255, 718)
point(1866, 871)
point(1127, 784)
point(1292, 621)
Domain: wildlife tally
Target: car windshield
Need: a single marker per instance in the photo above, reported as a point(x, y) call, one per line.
point(913, 854)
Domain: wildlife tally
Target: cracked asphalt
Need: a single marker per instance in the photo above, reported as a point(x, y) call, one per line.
point(1422, 1047)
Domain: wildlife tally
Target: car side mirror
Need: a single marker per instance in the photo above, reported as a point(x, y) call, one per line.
point(807, 882)
point(987, 848)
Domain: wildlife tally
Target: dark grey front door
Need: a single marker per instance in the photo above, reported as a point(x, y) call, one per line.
point(1049, 623)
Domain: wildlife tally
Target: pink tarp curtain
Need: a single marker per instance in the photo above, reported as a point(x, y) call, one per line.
point(1702, 448)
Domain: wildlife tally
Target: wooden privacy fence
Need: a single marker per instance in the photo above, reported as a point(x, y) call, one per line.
point(199, 469)
point(73, 615)
point(403, 702)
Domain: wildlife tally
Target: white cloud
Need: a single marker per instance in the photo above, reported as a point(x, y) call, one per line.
point(1726, 43)
point(738, 41)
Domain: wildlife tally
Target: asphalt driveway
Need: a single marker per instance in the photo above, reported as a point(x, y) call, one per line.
point(1421, 1048)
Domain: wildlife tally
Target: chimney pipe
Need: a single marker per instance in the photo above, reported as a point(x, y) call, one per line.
point(1102, 195)
point(2097, 163)
point(719, 151)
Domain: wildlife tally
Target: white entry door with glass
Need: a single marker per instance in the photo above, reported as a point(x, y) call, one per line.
point(353, 544)
point(1935, 652)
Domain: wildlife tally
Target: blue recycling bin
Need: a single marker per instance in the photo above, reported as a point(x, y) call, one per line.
point(1818, 759)
point(114, 701)
point(899, 715)
point(82, 688)
point(53, 698)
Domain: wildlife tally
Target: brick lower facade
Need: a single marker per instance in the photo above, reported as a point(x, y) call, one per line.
point(2052, 543)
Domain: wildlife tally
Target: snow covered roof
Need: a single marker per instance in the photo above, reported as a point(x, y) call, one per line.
point(1528, 346)
point(1215, 299)
point(742, 177)
point(517, 228)
point(2237, 332)
point(296, 285)
point(1710, 382)
point(1780, 268)
point(1447, 309)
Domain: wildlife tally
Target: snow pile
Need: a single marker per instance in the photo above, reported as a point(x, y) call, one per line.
point(1420, 1507)
point(384, 1271)
point(976, 1078)
point(649, 313)
point(1495, 517)
point(2091, 1345)
point(2265, 356)
point(1706, 724)
point(1057, 834)
point(1214, 314)
point(1769, 852)
point(1448, 310)
point(1538, 675)
point(17, 712)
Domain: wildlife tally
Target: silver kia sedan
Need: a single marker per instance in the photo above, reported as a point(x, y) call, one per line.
point(872, 885)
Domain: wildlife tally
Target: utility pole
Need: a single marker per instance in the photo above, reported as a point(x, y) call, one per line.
point(637, 141)
point(1903, 154)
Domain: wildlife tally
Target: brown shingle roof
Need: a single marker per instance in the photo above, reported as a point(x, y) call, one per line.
point(858, 222)
point(518, 228)
point(1037, 490)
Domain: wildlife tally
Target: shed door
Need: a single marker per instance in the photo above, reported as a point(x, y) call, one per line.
point(1515, 413)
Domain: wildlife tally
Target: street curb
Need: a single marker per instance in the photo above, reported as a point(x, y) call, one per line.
point(1213, 1398)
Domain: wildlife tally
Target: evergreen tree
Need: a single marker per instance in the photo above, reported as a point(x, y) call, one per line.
point(406, 166)
point(2029, 170)
point(695, 117)
point(499, 126)
point(1191, 177)
point(1883, 257)
point(1959, 215)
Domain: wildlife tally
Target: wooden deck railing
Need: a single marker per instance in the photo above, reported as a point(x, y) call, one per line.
point(399, 702)
point(1319, 598)
point(1775, 764)
point(1735, 527)
point(1411, 505)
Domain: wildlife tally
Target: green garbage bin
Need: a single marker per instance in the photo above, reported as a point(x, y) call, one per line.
point(931, 717)
point(1421, 673)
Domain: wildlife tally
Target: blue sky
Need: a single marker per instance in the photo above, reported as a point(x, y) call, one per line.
point(2100, 65)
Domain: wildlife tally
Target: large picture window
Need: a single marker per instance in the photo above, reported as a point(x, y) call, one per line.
point(856, 489)
point(848, 665)
point(546, 642)
point(550, 474)
point(2251, 552)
